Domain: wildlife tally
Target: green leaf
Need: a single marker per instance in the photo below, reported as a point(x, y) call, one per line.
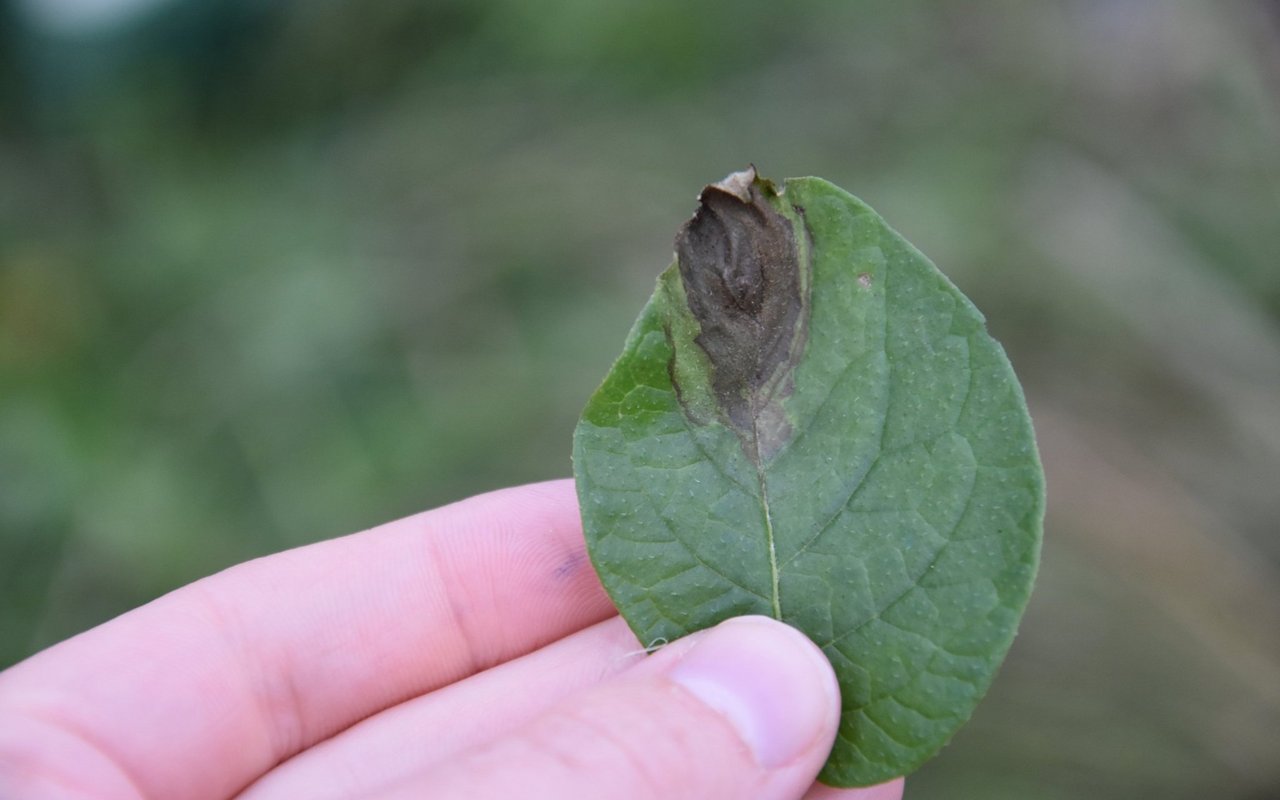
point(809, 421)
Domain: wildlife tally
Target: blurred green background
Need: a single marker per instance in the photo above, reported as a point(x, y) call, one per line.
point(275, 271)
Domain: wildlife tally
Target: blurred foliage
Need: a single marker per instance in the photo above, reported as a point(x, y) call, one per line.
point(271, 272)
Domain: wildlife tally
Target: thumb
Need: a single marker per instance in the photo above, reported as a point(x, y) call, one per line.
point(746, 709)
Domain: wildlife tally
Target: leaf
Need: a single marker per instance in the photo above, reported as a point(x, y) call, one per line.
point(809, 421)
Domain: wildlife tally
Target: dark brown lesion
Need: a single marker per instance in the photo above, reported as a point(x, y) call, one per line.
point(741, 272)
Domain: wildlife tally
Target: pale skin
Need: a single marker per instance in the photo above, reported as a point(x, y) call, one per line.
point(464, 652)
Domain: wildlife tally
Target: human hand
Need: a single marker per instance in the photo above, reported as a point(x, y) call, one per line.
point(463, 652)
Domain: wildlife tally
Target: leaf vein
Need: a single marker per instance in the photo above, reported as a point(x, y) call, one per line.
point(696, 557)
point(915, 582)
point(884, 427)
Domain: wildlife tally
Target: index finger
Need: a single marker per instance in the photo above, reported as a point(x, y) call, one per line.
point(197, 693)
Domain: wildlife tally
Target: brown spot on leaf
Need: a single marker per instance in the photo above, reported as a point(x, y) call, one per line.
point(741, 272)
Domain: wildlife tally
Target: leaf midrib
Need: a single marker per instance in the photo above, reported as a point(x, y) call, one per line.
point(775, 594)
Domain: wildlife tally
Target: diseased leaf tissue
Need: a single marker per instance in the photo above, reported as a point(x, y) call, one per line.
point(809, 421)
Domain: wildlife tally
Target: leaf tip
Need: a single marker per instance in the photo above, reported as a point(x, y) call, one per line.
point(737, 184)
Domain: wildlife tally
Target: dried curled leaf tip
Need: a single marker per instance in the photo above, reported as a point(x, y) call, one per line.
point(742, 278)
point(737, 184)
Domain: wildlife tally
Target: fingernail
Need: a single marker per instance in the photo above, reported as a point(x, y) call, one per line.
point(770, 682)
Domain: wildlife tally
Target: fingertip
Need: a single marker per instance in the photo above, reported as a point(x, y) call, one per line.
point(770, 682)
point(748, 708)
point(890, 790)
